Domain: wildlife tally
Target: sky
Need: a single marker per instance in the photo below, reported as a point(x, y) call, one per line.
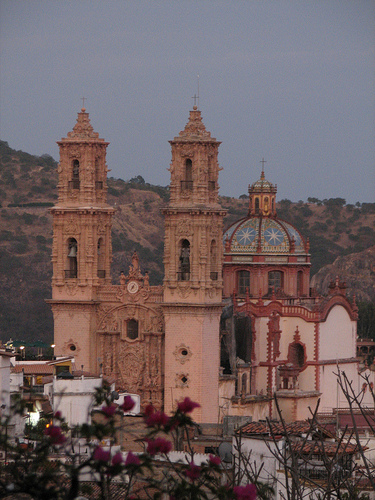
point(289, 81)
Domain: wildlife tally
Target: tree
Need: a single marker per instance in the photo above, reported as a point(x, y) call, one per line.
point(30, 471)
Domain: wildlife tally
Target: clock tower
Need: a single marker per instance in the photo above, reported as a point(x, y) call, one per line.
point(193, 272)
point(81, 253)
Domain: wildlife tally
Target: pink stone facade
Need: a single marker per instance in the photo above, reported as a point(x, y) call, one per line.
point(235, 321)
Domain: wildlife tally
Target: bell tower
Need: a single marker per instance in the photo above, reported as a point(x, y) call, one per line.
point(81, 253)
point(193, 271)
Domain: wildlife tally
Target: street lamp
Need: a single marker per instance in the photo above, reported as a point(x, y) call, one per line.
point(23, 352)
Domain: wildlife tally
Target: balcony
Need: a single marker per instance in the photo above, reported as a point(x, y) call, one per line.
point(74, 184)
point(211, 185)
point(101, 273)
point(214, 276)
point(183, 276)
point(70, 273)
point(98, 185)
point(186, 185)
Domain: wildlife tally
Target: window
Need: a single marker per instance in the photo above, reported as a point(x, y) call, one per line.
point(71, 269)
point(256, 205)
point(275, 281)
point(184, 266)
point(74, 183)
point(101, 270)
point(244, 384)
point(187, 183)
point(243, 282)
point(98, 182)
point(211, 181)
point(299, 283)
point(132, 329)
point(296, 355)
point(213, 261)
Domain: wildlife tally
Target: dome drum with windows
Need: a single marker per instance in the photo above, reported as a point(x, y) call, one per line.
point(263, 254)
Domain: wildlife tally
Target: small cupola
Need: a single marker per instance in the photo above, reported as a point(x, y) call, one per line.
point(262, 197)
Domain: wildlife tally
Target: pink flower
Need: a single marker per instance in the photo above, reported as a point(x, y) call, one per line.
point(193, 472)
point(55, 434)
point(117, 459)
point(154, 418)
point(128, 404)
point(248, 492)
point(214, 460)
point(187, 405)
point(100, 455)
point(157, 419)
point(158, 445)
point(132, 459)
point(109, 411)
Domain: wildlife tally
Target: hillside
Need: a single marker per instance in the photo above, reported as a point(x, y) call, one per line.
point(28, 189)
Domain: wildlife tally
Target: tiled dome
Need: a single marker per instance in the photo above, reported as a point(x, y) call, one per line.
point(276, 237)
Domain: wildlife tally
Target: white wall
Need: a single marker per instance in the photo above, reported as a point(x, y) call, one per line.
point(73, 398)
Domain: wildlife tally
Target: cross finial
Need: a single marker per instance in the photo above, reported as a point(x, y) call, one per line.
point(196, 97)
point(83, 102)
point(263, 161)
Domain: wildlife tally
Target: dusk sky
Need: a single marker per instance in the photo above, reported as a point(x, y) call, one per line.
point(290, 81)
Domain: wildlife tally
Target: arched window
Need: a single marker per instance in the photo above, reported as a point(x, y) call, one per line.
point(101, 256)
point(296, 355)
point(71, 259)
point(243, 282)
point(213, 261)
point(187, 183)
point(98, 182)
point(132, 329)
point(257, 205)
point(211, 180)
point(75, 177)
point(244, 384)
point(184, 265)
point(299, 283)
point(275, 281)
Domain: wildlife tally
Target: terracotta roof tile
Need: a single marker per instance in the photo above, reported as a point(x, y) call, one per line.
point(34, 369)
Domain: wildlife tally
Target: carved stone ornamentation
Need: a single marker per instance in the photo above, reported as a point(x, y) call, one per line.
point(184, 228)
point(182, 353)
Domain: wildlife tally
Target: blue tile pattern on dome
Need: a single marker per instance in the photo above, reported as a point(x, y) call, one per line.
point(245, 236)
point(274, 237)
point(293, 233)
point(228, 233)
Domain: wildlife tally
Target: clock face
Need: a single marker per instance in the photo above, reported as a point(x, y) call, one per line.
point(133, 287)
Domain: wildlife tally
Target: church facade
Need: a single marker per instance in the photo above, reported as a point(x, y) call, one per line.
point(235, 321)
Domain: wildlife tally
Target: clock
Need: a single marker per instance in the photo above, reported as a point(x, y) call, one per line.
point(132, 287)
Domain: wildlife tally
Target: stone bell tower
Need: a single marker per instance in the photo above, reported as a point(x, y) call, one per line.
point(193, 279)
point(81, 253)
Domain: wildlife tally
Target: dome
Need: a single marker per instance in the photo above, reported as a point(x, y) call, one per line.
point(263, 235)
point(262, 185)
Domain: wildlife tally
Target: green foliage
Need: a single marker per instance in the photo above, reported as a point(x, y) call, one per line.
point(366, 320)
point(29, 470)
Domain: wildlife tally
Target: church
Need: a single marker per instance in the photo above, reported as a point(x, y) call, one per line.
point(235, 321)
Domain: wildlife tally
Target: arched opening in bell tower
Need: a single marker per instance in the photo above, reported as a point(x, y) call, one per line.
point(187, 183)
point(71, 269)
point(213, 261)
point(75, 175)
point(184, 266)
point(101, 255)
